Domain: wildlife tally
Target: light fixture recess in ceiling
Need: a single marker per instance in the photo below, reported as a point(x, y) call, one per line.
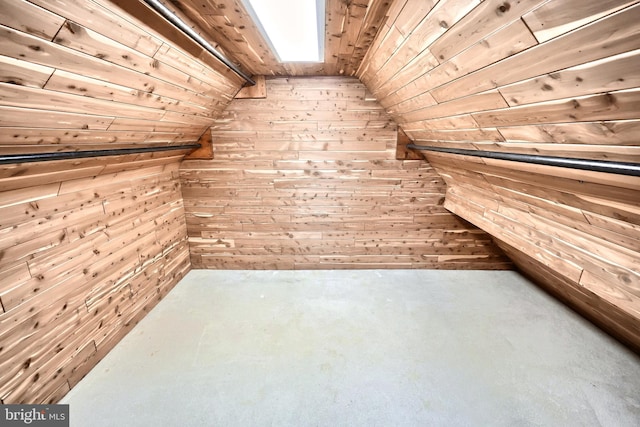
point(293, 28)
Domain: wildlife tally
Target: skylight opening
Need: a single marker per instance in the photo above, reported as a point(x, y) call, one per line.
point(293, 28)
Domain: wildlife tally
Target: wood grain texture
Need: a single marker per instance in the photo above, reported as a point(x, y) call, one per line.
point(206, 147)
point(580, 226)
point(567, 81)
point(350, 27)
point(81, 262)
point(313, 182)
point(259, 90)
point(582, 88)
point(306, 177)
point(83, 66)
point(557, 17)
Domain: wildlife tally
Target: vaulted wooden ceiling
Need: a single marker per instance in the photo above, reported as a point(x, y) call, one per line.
point(350, 27)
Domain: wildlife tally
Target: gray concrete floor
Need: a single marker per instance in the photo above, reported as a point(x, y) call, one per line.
point(360, 348)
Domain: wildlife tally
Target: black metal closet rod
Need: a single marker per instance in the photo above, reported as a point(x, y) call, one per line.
point(620, 168)
point(171, 17)
point(69, 155)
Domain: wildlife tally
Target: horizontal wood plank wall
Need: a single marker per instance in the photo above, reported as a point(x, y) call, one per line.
point(307, 179)
point(84, 74)
point(577, 232)
point(550, 77)
point(82, 260)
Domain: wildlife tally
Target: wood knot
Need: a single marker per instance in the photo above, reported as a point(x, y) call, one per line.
point(611, 100)
point(504, 8)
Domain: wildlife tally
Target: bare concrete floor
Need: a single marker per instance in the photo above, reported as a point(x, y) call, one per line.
point(361, 348)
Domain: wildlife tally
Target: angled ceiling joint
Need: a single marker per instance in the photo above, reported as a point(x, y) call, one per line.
point(179, 23)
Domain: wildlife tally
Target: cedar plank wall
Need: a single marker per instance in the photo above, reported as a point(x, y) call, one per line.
point(307, 179)
point(558, 77)
point(350, 27)
point(88, 246)
point(81, 262)
point(84, 74)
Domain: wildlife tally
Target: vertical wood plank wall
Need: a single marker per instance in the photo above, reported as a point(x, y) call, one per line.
point(82, 260)
point(84, 74)
point(552, 77)
point(307, 178)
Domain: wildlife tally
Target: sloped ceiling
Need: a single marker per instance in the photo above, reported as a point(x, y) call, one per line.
point(94, 74)
point(539, 77)
point(351, 26)
point(87, 74)
point(554, 77)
